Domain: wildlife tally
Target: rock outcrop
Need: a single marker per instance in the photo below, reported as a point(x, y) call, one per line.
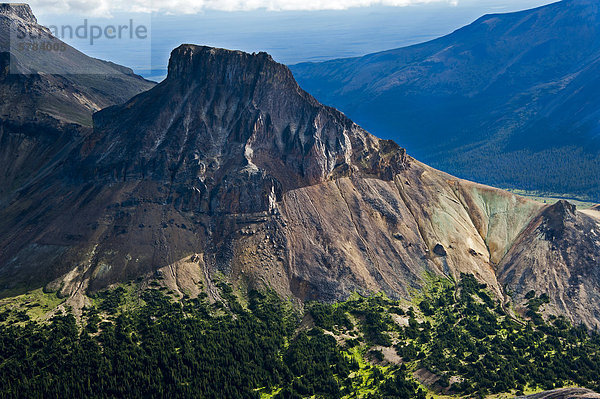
point(565, 393)
point(16, 11)
point(558, 254)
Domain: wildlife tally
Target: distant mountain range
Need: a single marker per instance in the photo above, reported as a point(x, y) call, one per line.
point(511, 100)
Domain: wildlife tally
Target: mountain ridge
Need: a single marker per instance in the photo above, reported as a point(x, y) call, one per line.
point(64, 84)
point(199, 227)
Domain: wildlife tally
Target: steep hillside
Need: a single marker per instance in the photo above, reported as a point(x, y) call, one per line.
point(47, 98)
point(510, 100)
point(61, 83)
point(228, 168)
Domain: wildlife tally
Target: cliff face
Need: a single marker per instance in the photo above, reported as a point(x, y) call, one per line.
point(228, 167)
point(220, 112)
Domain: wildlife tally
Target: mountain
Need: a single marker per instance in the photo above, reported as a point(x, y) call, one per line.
point(47, 98)
point(229, 170)
point(509, 100)
point(58, 83)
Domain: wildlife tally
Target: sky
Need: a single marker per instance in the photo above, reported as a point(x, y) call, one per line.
point(108, 7)
point(291, 31)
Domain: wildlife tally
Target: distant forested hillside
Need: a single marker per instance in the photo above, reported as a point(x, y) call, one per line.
point(511, 100)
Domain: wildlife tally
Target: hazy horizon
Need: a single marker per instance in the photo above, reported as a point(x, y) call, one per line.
point(289, 36)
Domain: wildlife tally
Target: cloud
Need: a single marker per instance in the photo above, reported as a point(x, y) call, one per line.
point(107, 7)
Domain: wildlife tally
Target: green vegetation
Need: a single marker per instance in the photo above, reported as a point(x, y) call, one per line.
point(471, 344)
point(568, 172)
point(35, 305)
point(476, 343)
point(147, 344)
point(550, 198)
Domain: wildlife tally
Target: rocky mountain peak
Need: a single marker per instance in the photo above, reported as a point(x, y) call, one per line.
point(231, 67)
point(20, 11)
point(557, 217)
point(222, 112)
